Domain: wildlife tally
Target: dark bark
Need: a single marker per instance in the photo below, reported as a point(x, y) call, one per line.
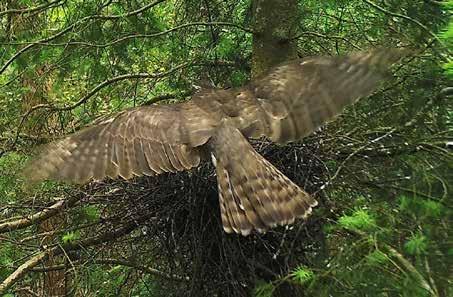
point(275, 25)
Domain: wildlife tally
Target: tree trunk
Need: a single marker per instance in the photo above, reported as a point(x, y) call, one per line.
point(275, 25)
point(54, 282)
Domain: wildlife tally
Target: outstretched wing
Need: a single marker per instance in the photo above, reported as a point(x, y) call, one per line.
point(287, 104)
point(299, 96)
point(146, 140)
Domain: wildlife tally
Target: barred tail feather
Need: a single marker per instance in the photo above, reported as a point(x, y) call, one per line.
point(253, 194)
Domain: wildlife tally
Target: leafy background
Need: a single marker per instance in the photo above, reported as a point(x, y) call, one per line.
point(382, 170)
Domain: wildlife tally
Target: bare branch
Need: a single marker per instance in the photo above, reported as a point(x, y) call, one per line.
point(122, 262)
point(93, 92)
point(57, 250)
point(412, 270)
point(29, 10)
point(445, 92)
point(59, 231)
point(39, 216)
point(23, 269)
point(309, 33)
point(107, 236)
point(166, 96)
point(134, 36)
point(71, 27)
point(407, 265)
point(134, 12)
point(394, 14)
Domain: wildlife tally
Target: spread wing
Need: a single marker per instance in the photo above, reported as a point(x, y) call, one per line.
point(290, 102)
point(299, 96)
point(146, 140)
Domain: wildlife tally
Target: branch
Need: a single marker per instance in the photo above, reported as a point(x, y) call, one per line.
point(408, 267)
point(106, 237)
point(194, 24)
point(23, 269)
point(412, 270)
point(434, 2)
point(122, 262)
point(142, 268)
point(394, 14)
point(355, 152)
point(134, 12)
point(113, 80)
point(93, 92)
point(167, 96)
point(309, 33)
point(72, 26)
point(407, 190)
point(29, 10)
point(157, 34)
point(445, 92)
point(39, 216)
point(59, 231)
point(57, 250)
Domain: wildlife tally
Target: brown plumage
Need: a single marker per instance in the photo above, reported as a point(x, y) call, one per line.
point(288, 103)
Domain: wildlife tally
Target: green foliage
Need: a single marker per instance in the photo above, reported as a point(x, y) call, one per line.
point(448, 67)
point(238, 78)
point(417, 245)
point(386, 214)
point(8, 254)
point(264, 289)
point(70, 237)
point(422, 208)
point(10, 164)
point(87, 214)
point(359, 220)
point(302, 275)
point(447, 36)
point(109, 281)
point(377, 258)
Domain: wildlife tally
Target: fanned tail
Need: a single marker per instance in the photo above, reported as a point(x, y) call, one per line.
point(253, 194)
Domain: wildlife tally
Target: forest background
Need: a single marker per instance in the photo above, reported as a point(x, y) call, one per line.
point(382, 171)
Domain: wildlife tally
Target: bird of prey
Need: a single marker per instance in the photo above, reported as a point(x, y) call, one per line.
point(288, 103)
